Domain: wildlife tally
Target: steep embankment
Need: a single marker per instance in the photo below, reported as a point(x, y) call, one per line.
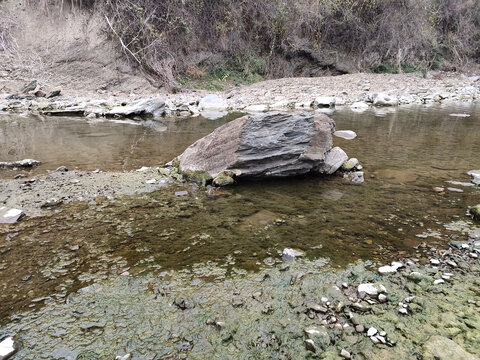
point(62, 49)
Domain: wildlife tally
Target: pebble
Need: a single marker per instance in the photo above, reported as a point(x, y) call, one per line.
point(390, 269)
point(310, 345)
point(151, 181)
point(403, 311)
point(372, 331)
point(345, 354)
point(382, 298)
point(288, 254)
point(434, 262)
point(360, 328)
point(181, 193)
point(438, 281)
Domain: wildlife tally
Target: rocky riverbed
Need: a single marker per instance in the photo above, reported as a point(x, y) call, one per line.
point(289, 310)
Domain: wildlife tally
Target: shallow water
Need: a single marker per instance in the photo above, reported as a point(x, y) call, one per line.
point(405, 153)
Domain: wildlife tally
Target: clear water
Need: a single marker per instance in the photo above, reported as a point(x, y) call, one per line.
point(405, 154)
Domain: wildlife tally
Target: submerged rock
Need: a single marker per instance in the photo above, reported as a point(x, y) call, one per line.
point(345, 134)
point(267, 145)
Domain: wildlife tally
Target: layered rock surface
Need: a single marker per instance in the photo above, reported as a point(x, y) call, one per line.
point(265, 145)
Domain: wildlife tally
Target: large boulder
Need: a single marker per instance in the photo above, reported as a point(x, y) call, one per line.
point(264, 145)
point(147, 107)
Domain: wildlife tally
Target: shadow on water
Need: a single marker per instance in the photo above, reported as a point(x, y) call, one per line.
point(405, 154)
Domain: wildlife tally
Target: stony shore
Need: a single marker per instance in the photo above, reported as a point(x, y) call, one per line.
point(358, 91)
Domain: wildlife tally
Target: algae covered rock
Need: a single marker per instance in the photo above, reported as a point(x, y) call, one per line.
point(442, 348)
point(475, 211)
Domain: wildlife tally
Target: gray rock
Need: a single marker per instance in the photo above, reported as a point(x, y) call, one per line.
point(266, 145)
point(62, 169)
point(345, 134)
point(9, 216)
point(442, 348)
point(212, 102)
point(141, 107)
point(359, 106)
point(383, 99)
point(334, 160)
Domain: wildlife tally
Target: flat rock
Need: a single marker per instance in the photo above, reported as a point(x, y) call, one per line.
point(139, 107)
point(345, 134)
point(20, 164)
point(442, 348)
point(266, 145)
point(9, 216)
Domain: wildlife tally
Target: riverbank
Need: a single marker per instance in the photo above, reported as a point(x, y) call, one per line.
point(358, 91)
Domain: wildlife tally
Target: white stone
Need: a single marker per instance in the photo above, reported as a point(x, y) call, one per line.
point(372, 331)
point(7, 348)
point(151, 181)
point(212, 102)
point(345, 134)
point(403, 311)
point(390, 269)
point(382, 298)
point(324, 101)
point(142, 169)
point(438, 281)
point(475, 174)
point(434, 262)
point(371, 289)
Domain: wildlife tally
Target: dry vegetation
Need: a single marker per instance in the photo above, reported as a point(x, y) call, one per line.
point(172, 38)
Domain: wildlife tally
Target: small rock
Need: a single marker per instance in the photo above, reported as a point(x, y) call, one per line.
point(382, 298)
point(334, 159)
point(143, 169)
point(288, 254)
point(345, 354)
point(475, 212)
point(372, 331)
point(40, 93)
point(310, 345)
point(350, 164)
point(151, 181)
point(359, 106)
point(383, 99)
point(374, 339)
point(371, 289)
point(345, 134)
point(438, 189)
point(403, 311)
point(62, 169)
point(390, 269)
point(360, 328)
point(181, 193)
point(438, 281)
point(434, 262)
point(54, 93)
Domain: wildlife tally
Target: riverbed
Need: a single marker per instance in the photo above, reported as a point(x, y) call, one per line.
point(395, 214)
